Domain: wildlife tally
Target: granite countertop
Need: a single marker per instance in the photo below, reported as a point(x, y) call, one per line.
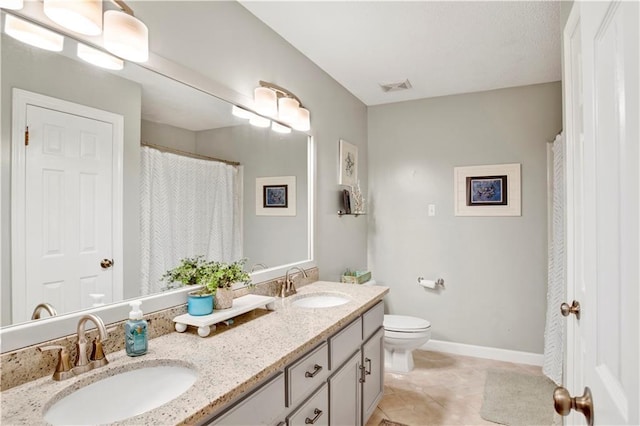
point(228, 363)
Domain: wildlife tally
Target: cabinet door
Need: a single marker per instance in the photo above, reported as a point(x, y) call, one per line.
point(345, 401)
point(373, 363)
point(261, 407)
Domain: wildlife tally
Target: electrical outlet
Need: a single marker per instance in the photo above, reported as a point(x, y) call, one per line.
point(432, 210)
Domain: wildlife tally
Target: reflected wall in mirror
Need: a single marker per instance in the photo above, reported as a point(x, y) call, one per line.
point(163, 112)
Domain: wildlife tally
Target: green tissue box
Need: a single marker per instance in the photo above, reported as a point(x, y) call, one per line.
point(357, 277)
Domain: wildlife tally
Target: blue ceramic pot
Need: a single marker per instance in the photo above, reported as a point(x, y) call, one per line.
point(198, 305)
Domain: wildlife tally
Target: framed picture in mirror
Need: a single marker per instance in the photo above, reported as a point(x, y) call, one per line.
point(276, 196)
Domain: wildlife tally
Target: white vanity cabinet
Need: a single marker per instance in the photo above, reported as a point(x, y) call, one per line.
point(338, 383)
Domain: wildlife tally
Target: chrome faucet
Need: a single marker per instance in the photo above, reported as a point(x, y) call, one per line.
point(83, 363)
point(43, 307)
point(288, 287)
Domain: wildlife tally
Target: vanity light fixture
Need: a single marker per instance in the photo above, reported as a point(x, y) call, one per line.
point(125, 35)
point(99, 58)
point(277, 102)
point(12, 4)
point(32, 34)
point(80, 16)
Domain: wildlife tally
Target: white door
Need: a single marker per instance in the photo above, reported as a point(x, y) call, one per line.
point(603, 222)
point(68, 198)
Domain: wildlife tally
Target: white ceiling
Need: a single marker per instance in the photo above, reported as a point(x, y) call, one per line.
point(443, 48)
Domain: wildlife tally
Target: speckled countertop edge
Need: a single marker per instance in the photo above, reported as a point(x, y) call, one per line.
point(228, 364)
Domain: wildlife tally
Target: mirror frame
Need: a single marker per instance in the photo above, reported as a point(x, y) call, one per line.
point(13, 337)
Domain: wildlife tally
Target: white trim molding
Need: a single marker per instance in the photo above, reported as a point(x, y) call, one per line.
point(486, 352)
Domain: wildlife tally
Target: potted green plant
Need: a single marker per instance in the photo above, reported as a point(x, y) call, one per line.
point(192, 271)
point(219, 278)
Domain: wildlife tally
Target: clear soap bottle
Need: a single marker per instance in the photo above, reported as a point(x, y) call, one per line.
point(135, 331)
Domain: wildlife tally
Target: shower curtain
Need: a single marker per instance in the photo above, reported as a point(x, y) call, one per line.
point(555, 328)
point(188, 207)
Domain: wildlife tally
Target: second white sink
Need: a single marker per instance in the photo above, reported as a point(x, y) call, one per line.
point(320, 300)
point(121, 396)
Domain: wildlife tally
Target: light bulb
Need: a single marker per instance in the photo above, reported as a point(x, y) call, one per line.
point(12, 4)
point(258, 121)
point(288, 109)
point(241, 112)
point(277, 127)
point(303, 122)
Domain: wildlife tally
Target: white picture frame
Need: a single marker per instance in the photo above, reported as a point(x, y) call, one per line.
point(280, 185)
point(348, 164)
point(510, 174)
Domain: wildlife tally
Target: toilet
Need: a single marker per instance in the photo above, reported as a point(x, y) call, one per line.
point(402, 334)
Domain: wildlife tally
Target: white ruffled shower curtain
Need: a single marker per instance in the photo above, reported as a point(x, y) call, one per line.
point(555, 328)
point(188, 207)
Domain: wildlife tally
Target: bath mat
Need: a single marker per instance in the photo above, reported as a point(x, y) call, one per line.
point(512, 398)
point(386, 422)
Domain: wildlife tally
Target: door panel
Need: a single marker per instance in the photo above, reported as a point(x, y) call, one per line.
point(604, 196)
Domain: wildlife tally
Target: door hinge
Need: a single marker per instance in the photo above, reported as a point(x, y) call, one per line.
point(26, 136)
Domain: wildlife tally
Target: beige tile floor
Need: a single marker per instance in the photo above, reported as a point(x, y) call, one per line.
point(443, 389)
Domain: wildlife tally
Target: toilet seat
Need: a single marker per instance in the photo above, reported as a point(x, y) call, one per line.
point(406, 324)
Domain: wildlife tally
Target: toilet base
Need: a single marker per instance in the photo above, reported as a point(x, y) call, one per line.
point(398, 360)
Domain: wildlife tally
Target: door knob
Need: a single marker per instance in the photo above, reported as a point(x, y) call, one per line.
point(106, 263)
point(563, 403)
point(566, 310)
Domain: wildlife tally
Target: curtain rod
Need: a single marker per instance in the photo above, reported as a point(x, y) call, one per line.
point(188, 154)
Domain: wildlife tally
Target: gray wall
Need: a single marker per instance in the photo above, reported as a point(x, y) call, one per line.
point(272, 240)
point(233, 47)
point(495, 268)
point(53, 75)
point(168, 136)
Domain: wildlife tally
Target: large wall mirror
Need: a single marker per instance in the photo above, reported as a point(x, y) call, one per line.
point(166, 122)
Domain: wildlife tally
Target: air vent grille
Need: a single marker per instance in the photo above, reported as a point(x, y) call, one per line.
point(394, 87)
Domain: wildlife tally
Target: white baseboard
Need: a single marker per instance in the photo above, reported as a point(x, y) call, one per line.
point(484, 352)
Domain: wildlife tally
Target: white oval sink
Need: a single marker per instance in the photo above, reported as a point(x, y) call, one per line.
point(323, 300)
point(121, 396)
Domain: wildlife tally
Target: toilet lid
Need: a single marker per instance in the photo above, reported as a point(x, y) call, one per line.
point(405, 323)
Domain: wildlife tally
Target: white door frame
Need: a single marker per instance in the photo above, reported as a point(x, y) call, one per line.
point(22, 98)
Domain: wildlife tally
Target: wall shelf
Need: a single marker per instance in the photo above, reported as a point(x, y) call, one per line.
point(342, 213)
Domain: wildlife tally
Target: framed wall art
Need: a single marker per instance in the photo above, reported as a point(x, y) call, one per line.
point(489, 190)
point(276, 196)
point(348, 164)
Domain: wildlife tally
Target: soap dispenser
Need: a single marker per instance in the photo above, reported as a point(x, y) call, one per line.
point(135, 331)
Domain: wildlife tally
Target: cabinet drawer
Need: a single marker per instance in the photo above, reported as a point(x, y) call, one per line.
point(307, 374)
point(315, 411)
point(372, 320)
point(344, 343)
point(261, 407)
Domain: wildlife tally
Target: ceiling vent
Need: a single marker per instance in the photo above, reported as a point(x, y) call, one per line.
point(394, 87)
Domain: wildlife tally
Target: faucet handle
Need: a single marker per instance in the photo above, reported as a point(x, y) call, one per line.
point(97, 356)
point(63, 369)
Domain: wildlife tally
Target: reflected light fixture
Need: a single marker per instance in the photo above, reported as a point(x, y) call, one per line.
point(32, 34)
point(258, 121)
point(80, 16)
point(125, 35)
point(241, 112)
point(277, 127)
point(99, 58)
point(12, 4)
point(274, 101)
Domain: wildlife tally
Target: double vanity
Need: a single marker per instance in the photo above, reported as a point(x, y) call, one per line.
point(316, 356)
